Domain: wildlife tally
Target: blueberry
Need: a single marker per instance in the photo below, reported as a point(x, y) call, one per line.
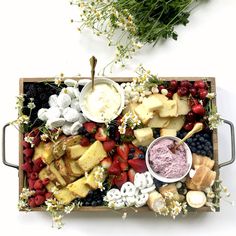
point(141, 156)
point(194, 139)
point(87, 203)
point(198, 136)
point(198, 152)
point(190, 140)
point(206, 148)
point(199, 147)
point(94, 203)
point(99, 202)
point(201, 139)
point(132, 150)
point(206, 136)
point(193, 149)
point(193, 144)
point(130, 156)
point(203, 153)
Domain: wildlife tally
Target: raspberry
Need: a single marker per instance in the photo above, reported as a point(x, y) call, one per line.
point(38, 164)
point(31, 183)
point(48, 195)
point(39, 199)
point(25, 144)
point(38, 184)
point(31, 202)
point(27, 167)
point(36, 141)
point(28, 159)
point(28, 152)
point(34, 175)
point(40, 191)
point(45, 181)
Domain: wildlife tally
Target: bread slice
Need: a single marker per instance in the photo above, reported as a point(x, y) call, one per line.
point(73, 168)
point(143, 134)
point(65, 196)
point(44, 151)
point(76, 151)
point(176, 123)
point(79, 187)
point(92, 156)
point(168, 132)
point(158, 122)
point(95, 177)
point(43, 174)
point(152, 103)
point(182, 104)
point(143, 113)
point(60, 180)
point(169, 109)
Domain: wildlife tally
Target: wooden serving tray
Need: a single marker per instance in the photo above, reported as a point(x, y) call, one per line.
point(211, 82)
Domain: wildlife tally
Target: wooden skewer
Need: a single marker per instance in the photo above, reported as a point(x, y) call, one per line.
point(93, 63)
point(197, 128)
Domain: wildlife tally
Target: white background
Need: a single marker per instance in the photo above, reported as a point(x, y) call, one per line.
point(37, 39)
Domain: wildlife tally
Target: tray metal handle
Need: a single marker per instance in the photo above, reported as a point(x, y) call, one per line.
point(5, 162)
point(232, 134)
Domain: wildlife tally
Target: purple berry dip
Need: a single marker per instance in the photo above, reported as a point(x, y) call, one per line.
point(166, 163)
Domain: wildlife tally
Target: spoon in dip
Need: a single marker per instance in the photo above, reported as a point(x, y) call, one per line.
point(93, 63)
point(197, 128)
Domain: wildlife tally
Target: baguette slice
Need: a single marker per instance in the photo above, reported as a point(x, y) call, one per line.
point(73, 168)
point(59, 178)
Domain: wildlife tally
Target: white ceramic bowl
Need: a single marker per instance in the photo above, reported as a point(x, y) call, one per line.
point(160, 177)
point(88, 86)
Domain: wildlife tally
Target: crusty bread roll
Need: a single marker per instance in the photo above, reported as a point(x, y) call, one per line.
point(155, 201)
point(199, 160)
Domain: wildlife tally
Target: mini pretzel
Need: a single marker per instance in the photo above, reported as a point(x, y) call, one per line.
point(128, 189)
point(140, 181)
point(113, 194)
point(141, 200)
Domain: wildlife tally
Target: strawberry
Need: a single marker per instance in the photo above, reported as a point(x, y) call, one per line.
point(84, 142)
point(34, 175)
point(90, 127)
point(123, 151)
point(106, 162)
point(138, 165)
point(101, 134)
point(28, 152)
point(124, 166)
point(27, 167)
point(45, 181)
point(31, 183)
point(40, 191)
point(38, 184)
point(114, 169)
point(109, 145)
point(48, 195)
point(131, 174)
point(121, 179)
point(25, 144)
point(39, 199)
point(31, 202)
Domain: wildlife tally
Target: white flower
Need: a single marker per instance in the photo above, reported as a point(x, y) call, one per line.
point(124, 216)
point(210, 95)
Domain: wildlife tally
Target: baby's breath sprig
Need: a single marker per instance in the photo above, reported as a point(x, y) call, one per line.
point(23, 199)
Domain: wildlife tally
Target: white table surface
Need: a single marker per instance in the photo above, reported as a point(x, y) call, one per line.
point(37, 39)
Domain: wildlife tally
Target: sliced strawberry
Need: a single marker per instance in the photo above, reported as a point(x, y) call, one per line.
point(124, 166)
point(91, 127)
point(28, 152)
point(39, 199)
point(121, 179)
point(84, 142)
point(131, 174)
point(123, 151)
point(106, 162)
point(138, 165)
point(114, 169)
point(109, 145)
point(101, 134)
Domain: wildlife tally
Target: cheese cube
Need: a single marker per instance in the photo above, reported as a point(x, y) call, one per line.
point(168, 132)
point(143, 134)
point(92, 156)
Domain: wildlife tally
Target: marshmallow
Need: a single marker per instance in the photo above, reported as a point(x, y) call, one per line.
point(71, 83)
point(53, 113)
point(74, 128)
point(70, 114)
point(66, 128)
point(55, 123)
point(53, 100)
point(76, 92)
point(63, 100)
point(128, 189)
point(82, 118)
point(69, 91)
point(42, 114)
point(83, 82)
point(75, 104)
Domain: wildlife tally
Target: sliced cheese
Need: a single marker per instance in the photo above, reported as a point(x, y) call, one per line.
point(168, 132)
point(130, 107)
point(176, 123)
point(182, 104)
point(143, 113)
point(44, 151)
point(158, 122)
point(152, 103)
point(169, 109)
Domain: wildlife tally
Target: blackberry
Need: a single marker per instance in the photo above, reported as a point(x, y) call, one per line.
point(156, 133)
point(112, 131)
point(82, 131)
point(158, 183)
